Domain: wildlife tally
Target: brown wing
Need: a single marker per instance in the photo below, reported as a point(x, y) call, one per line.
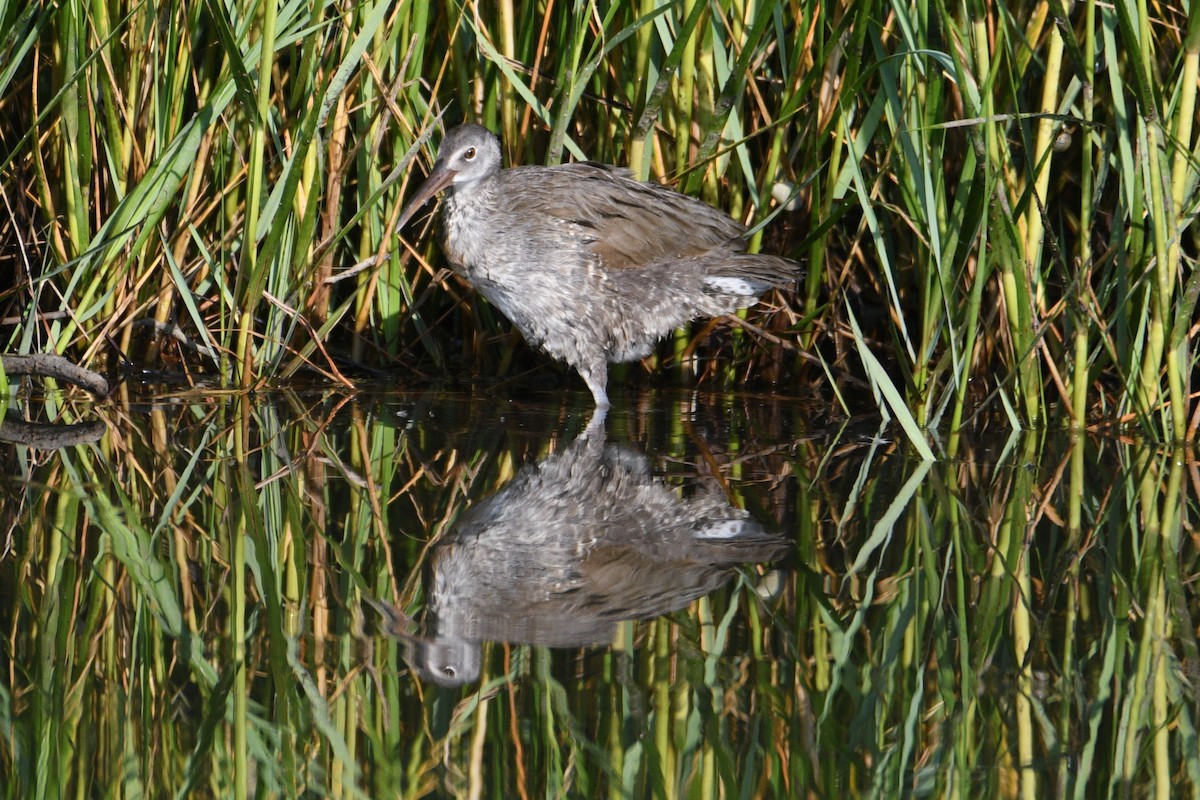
point(627, 222)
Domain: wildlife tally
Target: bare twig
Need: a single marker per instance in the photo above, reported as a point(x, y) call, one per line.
point(47, 365)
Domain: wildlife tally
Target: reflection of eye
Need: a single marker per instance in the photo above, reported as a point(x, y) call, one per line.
point(469, 154)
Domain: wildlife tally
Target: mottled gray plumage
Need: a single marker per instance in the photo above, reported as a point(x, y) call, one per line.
point(588, 263)
point(570, 547)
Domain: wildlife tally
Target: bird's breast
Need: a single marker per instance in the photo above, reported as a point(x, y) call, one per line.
point(489, 242)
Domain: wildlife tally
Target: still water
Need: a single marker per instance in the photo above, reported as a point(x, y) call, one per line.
point(435, 595)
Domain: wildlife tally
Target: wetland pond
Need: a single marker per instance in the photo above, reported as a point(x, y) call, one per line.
point(310, 593)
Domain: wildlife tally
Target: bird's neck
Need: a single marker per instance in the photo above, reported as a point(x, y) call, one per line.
point(473, 190)
point(467, 199)
point(465, 221)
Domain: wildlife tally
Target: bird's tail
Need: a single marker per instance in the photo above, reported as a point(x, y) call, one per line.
point(747, 275)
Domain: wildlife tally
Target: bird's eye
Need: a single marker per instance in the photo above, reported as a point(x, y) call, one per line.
point(469, 154)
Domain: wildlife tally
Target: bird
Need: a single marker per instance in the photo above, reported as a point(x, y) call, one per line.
point(587, 262)
point(583, 539)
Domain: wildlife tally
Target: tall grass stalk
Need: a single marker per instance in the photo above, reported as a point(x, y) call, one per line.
point(1083, 265)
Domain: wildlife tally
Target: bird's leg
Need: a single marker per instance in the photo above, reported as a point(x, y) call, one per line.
point(594, 433)
point(595, 375)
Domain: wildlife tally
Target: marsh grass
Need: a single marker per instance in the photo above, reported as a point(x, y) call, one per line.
point(1003, 195)
point(996, 204)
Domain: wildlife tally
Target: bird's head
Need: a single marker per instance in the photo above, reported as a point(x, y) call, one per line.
point(468, 154)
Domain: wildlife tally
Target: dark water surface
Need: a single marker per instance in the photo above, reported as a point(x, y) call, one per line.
point(311, 594)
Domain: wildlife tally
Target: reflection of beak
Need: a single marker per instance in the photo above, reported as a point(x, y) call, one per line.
point(396, 623)
point(439, 179)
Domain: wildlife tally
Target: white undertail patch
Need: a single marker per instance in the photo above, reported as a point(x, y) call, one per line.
point(734, 286)
point(724, 529)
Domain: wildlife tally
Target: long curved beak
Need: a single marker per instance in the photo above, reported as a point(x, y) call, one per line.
point(439, 179)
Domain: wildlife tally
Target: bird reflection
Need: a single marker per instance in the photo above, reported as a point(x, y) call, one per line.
point(573, 545)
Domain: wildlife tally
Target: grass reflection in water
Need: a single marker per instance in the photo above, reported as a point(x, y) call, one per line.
point(1015, 623)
